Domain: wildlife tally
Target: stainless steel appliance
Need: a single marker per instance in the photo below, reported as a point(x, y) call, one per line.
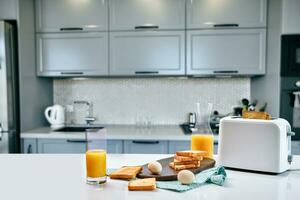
point(290, 81)
point(9, 98)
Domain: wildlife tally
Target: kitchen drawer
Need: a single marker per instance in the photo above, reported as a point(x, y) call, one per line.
point(61, 146)
point(71, 15)
point(115, 146)
point(29, 146)
point(179, 146)
point(72, 54)
point(226, 52)
point(145, 147)
point(137, 14)
point(147, 53)
point(296, 147)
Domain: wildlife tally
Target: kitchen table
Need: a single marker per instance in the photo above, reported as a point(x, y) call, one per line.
point(55, 177)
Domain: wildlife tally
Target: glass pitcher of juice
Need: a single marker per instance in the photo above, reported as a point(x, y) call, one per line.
point(203, 138)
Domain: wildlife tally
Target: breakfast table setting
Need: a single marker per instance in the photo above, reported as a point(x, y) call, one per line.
point(63, 176)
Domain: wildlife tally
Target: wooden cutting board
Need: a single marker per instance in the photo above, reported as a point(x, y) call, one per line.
point(168, 174)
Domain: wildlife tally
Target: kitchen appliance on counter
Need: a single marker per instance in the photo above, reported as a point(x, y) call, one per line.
point(55, 115)
point(9, 95)
point(256, 145)
point(290, 81)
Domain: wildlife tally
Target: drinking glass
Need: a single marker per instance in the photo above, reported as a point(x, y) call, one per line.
point(96, 156)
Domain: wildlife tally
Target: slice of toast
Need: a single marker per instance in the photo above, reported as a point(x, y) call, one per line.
point(187, 158)
point(182, 167)
point(177, 162)
point(145, 184)
point(191, 153)
point(126, 173)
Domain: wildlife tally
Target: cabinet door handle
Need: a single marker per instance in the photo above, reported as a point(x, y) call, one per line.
point(144, 142)
point(29, 149)
point(71, 29)
point(71, 73)
point(77, 141)
point(226, 25)
point(226, 72)
point(146, 27)
point(146, 72)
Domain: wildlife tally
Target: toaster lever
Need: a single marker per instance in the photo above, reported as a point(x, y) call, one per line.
point(290, 158)
point(290, 133)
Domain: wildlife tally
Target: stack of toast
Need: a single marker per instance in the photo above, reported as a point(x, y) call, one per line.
point(187, 160)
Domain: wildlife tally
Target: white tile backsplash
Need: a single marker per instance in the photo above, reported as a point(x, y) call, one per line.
point(159, 100)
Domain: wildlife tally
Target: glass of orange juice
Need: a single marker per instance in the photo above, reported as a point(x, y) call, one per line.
point(203, 142)
point(96, 156)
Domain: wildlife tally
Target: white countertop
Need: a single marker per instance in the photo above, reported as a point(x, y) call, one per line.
point(55, 177)
point(117, 132)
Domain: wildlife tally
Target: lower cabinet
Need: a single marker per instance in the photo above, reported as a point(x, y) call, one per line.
point(115, 146)
point(178, 146)
point(67, 146)
point(61, 146)
point(146, 146)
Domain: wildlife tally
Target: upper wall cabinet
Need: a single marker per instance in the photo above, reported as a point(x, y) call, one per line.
point(226, 52)
point(72, 54)
point(143, 14)
point(71, 15)
point(147, 53)
point(291, 16)
point(8, 9)
point(226, 13)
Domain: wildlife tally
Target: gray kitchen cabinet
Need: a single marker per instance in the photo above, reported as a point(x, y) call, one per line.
point(147, 53)
point(178, 146)
point(61, 146)
point(29, 146)
point(71, 15)
point(290, 17)
point(154, 14)
point(146, 146)
point(226, 52)
point(296, 147)
point(72, 54)
point(115, 146)
point(229, 13)
point(8, 9)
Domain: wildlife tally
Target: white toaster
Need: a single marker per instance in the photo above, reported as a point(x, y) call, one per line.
point(256, 145)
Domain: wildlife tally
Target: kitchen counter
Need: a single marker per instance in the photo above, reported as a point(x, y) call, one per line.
point(55, 177)
point(117, 132)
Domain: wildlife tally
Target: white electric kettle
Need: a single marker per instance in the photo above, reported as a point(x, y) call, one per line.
point(55, 116)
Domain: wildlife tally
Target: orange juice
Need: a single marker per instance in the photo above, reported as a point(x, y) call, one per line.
point(203, 142)
point(96, 163)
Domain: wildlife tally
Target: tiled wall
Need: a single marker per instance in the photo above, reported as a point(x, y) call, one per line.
point(159, 100)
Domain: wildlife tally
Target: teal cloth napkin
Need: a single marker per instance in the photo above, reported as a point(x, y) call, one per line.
point(216, 175)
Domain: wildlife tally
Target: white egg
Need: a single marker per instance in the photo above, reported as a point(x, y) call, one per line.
point(155, 167)
point(185, 177)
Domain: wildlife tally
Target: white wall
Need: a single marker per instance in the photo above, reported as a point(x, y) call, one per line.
point(267, 88)
point(163, 100)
